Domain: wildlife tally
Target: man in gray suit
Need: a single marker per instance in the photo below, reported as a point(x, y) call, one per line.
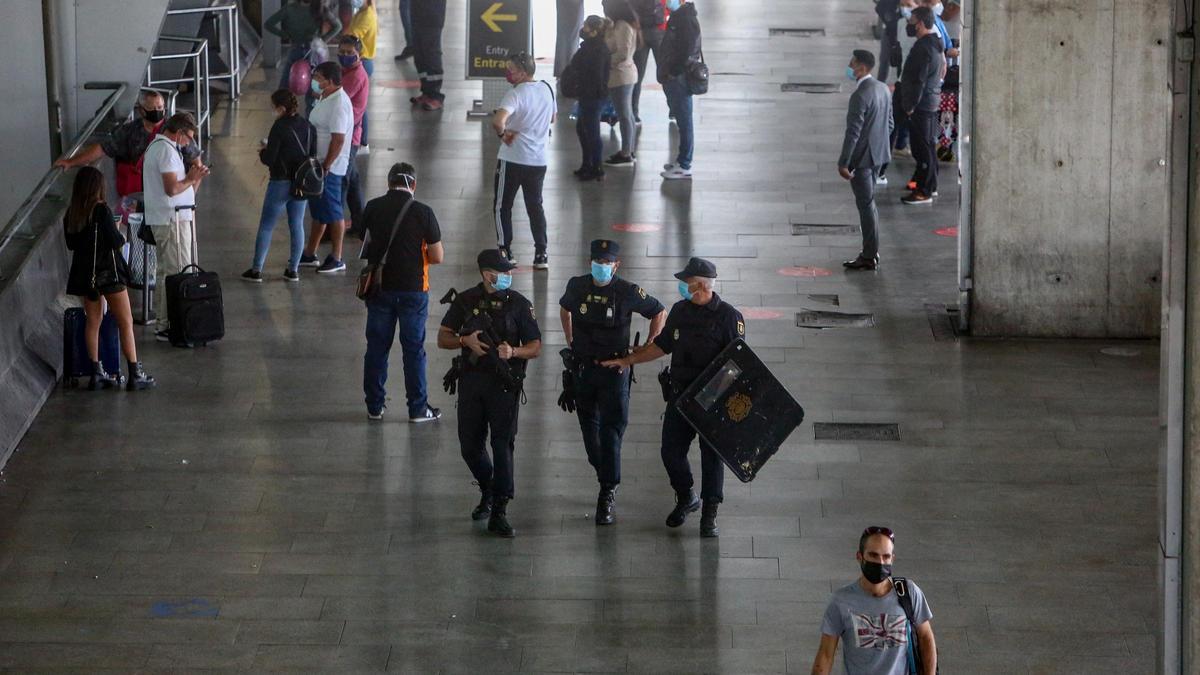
point(866, 148)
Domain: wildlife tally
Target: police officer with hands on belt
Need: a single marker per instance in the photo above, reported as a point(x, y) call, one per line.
point(698, 328)
point(596, 311)
point(497, 332)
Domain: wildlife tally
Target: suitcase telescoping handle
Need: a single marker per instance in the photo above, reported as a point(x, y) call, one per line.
point(192, 208)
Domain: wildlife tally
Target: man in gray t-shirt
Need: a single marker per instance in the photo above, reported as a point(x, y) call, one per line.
point(868, 617)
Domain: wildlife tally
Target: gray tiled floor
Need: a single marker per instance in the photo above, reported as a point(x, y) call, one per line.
point(249, 486)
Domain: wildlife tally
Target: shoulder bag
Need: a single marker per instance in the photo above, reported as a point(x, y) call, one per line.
point(696, 73)
point(370, 279)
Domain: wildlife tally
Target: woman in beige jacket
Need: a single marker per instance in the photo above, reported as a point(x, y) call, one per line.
point(623, 38)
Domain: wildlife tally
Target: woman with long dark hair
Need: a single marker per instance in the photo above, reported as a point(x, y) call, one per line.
point(98, 274)
point(292, 141)
point(623, 39)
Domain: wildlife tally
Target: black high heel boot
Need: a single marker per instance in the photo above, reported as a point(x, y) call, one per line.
point(101, 379)
point(138, 379)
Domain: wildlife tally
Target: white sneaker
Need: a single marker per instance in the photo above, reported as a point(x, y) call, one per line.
point(881, 180)
point(364, 150)
point(677, 174)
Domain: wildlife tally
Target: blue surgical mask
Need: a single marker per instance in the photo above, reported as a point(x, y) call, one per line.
point(347, 60)
point(683, 291)
point(674, 5)
point(850, 75)
point(503, 281)
point(316, 88)
point(906, 12)
point(602, 273)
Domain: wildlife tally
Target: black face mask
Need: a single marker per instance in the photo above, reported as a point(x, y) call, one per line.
point(155, 116)
point(875, 572)
point(910, 29)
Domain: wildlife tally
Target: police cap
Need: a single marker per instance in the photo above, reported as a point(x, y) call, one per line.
point(605, 249)
point(698, 267)
point(493, 259)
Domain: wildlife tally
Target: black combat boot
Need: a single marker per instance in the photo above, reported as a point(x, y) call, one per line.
point(605, 503)
point(685, 503)
point(100, 379)
point(498, 522)
point(138, 379)
point(485, 503)
point(708, 519)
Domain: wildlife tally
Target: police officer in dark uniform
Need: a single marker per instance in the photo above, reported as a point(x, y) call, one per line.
point(497, 332)
point(698, 328)
point(596, 312)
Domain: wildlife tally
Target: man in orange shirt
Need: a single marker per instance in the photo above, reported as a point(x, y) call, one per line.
point(407, 240)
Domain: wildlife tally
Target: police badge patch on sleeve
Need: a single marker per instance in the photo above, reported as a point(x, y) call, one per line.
point(741, 328)
point(641, 292)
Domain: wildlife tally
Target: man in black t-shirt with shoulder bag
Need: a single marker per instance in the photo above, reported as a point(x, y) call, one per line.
point(404, 237)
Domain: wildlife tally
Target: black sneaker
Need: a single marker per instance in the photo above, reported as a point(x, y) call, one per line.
point(405, 54)
point(376, 415)
point(508, 254)
point(619, 160)
point(307, 260)
point(253, 276)
point(541, 261)
point(163, 335)
point(291, 275)
point(431, 414)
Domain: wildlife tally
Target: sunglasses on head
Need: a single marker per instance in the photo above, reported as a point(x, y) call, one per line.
point(875, 529)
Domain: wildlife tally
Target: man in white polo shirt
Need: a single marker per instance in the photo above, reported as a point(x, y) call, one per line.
point(333, 118)
point(523, 123)
point(168, 184)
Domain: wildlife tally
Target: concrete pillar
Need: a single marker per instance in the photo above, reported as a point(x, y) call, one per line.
point(1179, 457)
point(1069, 176)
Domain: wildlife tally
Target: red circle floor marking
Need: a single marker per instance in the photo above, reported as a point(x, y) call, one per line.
point(951, 231)
point(805, 272)
point(761, 313)
point(636, 227)
point(399, 84)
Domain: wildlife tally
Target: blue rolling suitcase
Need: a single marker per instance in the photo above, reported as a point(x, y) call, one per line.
point(76, 363)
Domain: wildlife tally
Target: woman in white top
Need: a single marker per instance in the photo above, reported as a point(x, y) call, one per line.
point(623, 39)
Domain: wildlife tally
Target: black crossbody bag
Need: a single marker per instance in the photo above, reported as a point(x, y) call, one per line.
point(370, 279)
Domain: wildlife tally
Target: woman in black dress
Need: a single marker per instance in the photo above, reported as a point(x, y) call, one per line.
point(98, 274)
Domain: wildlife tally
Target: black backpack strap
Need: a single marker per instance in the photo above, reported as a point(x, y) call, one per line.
point(900, 585)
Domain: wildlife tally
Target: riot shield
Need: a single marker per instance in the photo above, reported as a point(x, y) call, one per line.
point(740, 409)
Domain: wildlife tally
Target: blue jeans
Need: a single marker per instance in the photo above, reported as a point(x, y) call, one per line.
point(369, 66)
point(385, 310)
point(679, 100)
point(279, 196)
point(587, 127)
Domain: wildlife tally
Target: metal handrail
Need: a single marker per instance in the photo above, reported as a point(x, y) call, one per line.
point(39, 192)
point(199, 80)
point(235, 62)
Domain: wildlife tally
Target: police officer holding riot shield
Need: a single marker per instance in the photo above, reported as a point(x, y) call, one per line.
point(497, 332)
point(596, 312)
point(698, 328)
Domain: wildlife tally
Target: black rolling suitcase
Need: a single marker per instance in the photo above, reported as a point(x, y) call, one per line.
point(76, 363)
point(194, 307)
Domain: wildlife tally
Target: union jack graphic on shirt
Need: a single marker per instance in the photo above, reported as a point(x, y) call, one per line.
point(880, 631)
